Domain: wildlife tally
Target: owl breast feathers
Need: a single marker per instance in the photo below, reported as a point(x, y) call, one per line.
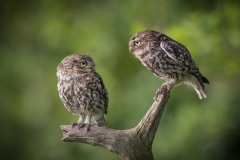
point(81, 90)
point(167, 59)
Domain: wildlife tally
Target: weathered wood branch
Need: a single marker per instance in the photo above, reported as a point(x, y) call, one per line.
point(131, 144)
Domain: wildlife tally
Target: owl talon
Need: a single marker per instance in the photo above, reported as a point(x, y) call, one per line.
point(160, 91)
point(74, 124)
point(155, 98)
point(85, 126)
point(81, 125)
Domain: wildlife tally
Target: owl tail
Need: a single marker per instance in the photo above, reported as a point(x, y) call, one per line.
point(198, 86)
point(200, 90)
point(205, 80)
point(99, 121)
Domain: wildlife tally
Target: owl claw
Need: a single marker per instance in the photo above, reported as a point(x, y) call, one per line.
point(84, 125)
point(155, 98)
point(81, 125)
point(74, 124)
point(160, 91)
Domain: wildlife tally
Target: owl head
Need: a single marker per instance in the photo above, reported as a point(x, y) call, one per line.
point(75, 65)
point(143, 41)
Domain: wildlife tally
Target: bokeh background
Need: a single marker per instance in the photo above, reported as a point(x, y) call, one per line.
point(36, 35)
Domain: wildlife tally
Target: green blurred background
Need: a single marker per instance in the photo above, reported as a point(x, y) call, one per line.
point(36, 35)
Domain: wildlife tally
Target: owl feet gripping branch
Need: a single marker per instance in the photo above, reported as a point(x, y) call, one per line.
point(82, 91)
point(168, 60)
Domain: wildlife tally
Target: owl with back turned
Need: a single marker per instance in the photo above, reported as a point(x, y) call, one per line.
point(168, 60)
point(82, 91)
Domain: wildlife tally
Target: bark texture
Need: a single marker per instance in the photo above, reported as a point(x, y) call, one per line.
point(131, 144)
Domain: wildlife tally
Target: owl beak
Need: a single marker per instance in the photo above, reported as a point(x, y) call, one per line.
point(130, 48)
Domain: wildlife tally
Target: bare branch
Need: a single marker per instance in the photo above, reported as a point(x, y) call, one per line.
point(147, 127)
point(132, 144)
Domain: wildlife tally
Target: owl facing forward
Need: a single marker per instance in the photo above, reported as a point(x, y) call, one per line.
point(168, 60)
point(81, 90)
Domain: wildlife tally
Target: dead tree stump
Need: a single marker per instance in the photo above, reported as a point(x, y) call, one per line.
point(131, 144)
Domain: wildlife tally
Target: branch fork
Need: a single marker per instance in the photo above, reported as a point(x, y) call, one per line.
point(131, 144)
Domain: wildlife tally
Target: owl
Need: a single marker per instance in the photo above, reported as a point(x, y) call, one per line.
point(168, 60)
point(82, 91)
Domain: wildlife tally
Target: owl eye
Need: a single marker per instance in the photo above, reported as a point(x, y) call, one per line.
point(137, 43)
point(83, 63)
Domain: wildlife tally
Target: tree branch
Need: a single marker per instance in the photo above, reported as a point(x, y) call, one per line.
point(131, 144)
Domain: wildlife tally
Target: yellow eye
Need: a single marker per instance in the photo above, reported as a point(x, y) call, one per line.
point(83, 63)
point(137, 43)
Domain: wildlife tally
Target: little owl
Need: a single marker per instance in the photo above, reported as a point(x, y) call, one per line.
point(168, 60)
point(81, 90)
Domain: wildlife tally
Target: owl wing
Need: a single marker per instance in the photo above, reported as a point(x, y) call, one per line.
point(93, 89)
point(181, 55)
point(103, 91)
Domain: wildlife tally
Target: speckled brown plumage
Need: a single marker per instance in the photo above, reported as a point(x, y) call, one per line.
point(81, 90)
point(167, 59)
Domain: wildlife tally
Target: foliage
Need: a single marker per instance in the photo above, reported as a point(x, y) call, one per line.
point(36, 35)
